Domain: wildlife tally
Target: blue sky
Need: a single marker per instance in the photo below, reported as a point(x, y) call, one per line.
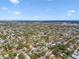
point(39, 9)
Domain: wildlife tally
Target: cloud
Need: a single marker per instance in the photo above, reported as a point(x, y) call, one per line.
point(17, 13)
point(4, 8)
point(71, 12)
point(14, 1)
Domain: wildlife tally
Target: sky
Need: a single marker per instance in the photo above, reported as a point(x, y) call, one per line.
point(39, 9)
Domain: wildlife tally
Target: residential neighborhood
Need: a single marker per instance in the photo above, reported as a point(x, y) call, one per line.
point(39, 41)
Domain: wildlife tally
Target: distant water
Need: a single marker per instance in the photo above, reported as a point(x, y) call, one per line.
point(23, 21)
point(48, 21)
